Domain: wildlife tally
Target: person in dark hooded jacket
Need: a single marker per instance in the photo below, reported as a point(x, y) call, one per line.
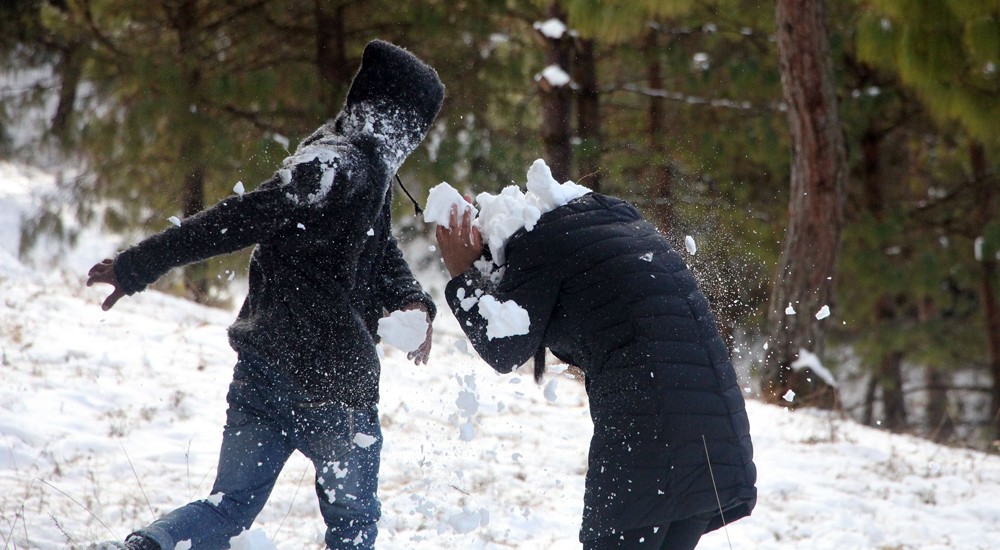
point(671, 456)
point(324, 270)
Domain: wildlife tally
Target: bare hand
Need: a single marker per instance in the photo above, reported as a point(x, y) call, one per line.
point(461, 244)
point(104, 272)
point(422, 353)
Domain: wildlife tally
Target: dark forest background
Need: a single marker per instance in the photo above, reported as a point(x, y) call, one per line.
point(840, 153)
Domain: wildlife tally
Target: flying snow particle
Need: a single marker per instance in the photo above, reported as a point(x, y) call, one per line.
point(823, 312)
point(465, 521)
point(789, 396)
point(239, 189)
point(789, 310)
point(467, 432)
point(183, 545)
point(300, 226)
point(215, 498)
point(174, 220)
point(647, 257)
point(364, 440)
point(550, 390)
point(691, 246)
point(370, 232)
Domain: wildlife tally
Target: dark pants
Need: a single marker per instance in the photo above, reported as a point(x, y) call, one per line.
point(269, 417)
point(679, 535)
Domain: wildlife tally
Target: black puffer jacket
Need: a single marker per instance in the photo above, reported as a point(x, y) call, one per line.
point(605, 292)
point(326, 263)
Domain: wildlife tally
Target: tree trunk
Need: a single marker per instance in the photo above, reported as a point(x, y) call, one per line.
point(588, 117)
point(331, 56)
point(804, 278)
point(556, 104)
point(986, 202)
point(663, 204)
point(890, 377)
point(940, 423)
point(70, 70)
point(186, 19)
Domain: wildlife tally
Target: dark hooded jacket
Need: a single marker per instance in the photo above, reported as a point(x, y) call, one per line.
point(604, 291)
point(325, 263)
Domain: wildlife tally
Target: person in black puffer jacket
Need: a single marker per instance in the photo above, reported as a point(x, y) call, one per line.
point(325, 269)
point(671, 456)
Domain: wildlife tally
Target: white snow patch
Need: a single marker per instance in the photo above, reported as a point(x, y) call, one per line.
point(174, 220)
point(239, 189)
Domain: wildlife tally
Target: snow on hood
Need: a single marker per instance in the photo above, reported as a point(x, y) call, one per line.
point(500, 216)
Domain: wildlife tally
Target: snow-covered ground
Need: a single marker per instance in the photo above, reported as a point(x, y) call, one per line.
point(109, 419)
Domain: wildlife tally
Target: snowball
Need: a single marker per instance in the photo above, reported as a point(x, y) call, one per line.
point(823, 312)
point(439, 202)
point(239, 189)
point(691, 246)
point(174, 220)
point(503, 318)
point(404, 330)
point(364, 440)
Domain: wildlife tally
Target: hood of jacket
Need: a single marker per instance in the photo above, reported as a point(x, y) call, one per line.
point(394, 98)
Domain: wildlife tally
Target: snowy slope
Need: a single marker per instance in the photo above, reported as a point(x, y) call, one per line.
point(108, 419)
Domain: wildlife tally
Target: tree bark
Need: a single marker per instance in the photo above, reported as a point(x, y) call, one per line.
point(70, 70)
point(940, 423)
point(986, 211)
point(663, 183)
point(804, 278)
point(556, 104)
point(588, 114)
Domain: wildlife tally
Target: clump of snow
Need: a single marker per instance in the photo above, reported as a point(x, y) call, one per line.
point(789, 396)
point(239, 189)
point(440, 199)
point(404, 330)
point(691, 246)
point(810, 360)
point(174, 220)
point(215, 498)
point(503, 318)
point(789, 310)
point(551, 28)
point(555, 75)
point(823, 313)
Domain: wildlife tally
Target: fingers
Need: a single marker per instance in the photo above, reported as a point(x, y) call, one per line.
point(112, 299)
